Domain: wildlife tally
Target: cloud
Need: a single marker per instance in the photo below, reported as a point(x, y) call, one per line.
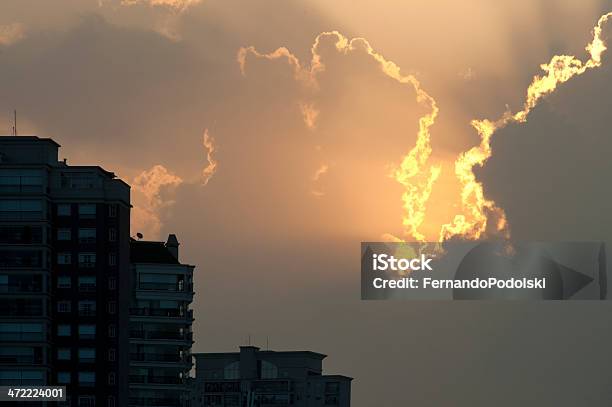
point(414, 172)
point(310, 114)
point(550, 174)
point(478, 210)
point(153, 192)
point(320, 172)
point(178, 5)
point(11, 33)
point(211, 168)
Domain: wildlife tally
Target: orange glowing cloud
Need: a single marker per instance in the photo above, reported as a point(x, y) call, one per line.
point(414, 172)
point(211, 168)
point(154, 190)
point(179, 5)
point(11, 33)
point(309, 114)
point(478, 215)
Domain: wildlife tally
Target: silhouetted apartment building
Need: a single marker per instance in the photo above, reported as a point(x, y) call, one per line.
point(256, 378)
point(160, 325)
point(65, 281)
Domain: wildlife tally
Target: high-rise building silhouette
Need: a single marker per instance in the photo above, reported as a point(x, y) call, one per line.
point(160, 325)
point(257, 378)
point(65, 281)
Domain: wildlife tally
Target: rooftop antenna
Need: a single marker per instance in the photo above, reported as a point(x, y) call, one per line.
point(267, 343)
point(14, 122)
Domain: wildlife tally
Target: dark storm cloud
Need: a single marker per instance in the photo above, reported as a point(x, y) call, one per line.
point(550, 173)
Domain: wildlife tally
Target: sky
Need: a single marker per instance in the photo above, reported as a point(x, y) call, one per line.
point(271, 169)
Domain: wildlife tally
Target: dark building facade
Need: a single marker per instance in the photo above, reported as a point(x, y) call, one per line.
point(256, 378)
point(65, 280)
point(160, 325)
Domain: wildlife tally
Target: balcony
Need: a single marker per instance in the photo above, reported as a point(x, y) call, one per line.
point(167, 335)
point(20, 235)
point(142, 379)
point(158, 357)
point(21, 359)
point(22, 382)
point(21, 336)
point(21, 184)
point(160, 287)
point(22, 287)
point(21, 308)
point(161, 312)
point(21, 215)
point(154, 402)
point(25, 258)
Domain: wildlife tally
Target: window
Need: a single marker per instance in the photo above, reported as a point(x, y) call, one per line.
point(63, 210)
point(112, 235)
point(63, 354)
point(112, 355)
point(22, 180)
point(268, 370)
point(64, 282)
point(87, 355)
point(63, 306)
point(79, 180)
point(87, 308)
point(169, 282)
point(87, 235)
point(232, 371)
point(112, 331)
point(87, 401)
point(87, 378)
point(111, 401)
point(87, 260)
point(64, 258)
point(87, 211)
point(21, 354)
point(63, 377)
point(112, 307)
point(17, 332)
point(87, 283)
point(24, 234)
point(12, 377)
point(63, 330)
point(112, 259)
point(332, 387)
point(87, 331)
point(112, 378)
point(64, 234)
point(21, 258)
point(112, 211)
point(112, 283)
point(26, 209)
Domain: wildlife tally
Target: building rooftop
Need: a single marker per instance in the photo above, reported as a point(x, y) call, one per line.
point(23, 139)
point(142, 251)
point(302, 353)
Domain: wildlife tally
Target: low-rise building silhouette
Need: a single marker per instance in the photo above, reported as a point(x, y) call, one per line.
point(257, 378)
